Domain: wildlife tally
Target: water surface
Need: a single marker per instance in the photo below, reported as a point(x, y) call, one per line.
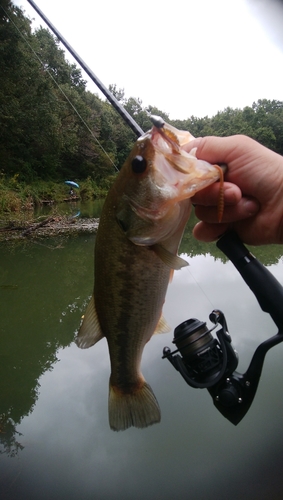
point(55, 439)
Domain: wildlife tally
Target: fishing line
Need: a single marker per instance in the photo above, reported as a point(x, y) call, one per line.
point(61, 90)
point(188, 269)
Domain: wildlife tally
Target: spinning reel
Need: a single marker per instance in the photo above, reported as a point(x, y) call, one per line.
point(208, 362)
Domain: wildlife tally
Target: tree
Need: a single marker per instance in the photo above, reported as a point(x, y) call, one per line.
point(53, 60)
point(52, 127)
point(119, 94)
point(5, 7)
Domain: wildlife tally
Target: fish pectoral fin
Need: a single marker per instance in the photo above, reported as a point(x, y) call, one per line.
point(162, 326)
point(90, 331)
point(171, 260)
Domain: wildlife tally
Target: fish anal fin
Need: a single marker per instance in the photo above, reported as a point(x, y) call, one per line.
point(171, 275)
point(162, 326)
point(90, 331)
point(171, 260)
point(136, 409)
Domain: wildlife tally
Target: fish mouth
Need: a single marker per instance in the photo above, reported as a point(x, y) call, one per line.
point(174, 137)
point(178, 174)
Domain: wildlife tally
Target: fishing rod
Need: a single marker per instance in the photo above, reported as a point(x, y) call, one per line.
point(111, 98)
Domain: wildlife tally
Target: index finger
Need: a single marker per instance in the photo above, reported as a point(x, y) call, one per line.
point(218, 149)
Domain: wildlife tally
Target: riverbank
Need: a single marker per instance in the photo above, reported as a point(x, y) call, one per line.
point(47, 227)
point(19, 198)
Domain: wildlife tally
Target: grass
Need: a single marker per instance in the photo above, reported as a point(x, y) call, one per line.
point(18, 200)
point(16, 196)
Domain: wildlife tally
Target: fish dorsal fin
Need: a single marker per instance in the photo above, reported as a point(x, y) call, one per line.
point(162, 326)
point(90, 331)
point(171, 260)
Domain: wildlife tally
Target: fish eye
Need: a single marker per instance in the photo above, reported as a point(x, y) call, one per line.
point(139, 164)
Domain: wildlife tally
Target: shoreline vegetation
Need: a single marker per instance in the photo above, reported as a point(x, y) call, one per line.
point(16, 196)
point(20, 201)
point(45, 137)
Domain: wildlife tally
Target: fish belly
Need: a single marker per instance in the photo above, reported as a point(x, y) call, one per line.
point(129, 292)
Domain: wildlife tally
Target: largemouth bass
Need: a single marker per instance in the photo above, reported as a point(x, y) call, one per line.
point(140, 229)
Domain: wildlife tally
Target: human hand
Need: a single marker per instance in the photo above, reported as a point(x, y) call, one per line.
point(253, 191)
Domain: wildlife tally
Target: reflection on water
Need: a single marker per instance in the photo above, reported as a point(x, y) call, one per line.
point(54, 433)
point(74, 208)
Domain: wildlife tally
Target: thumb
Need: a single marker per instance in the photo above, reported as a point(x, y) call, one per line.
point(214, 149)
point(194, 143)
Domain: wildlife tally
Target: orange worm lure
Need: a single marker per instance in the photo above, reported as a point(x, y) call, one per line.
point(220, 204)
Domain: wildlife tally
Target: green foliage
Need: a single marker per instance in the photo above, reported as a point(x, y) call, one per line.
point(50, 125)
point(52, 128)
point(263, 121)
point(16, 195)
point(89, 189)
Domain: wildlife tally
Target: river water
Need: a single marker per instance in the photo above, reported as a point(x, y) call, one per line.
point(54, 435)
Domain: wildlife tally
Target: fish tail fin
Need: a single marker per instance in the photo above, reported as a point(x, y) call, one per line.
point(138, 409)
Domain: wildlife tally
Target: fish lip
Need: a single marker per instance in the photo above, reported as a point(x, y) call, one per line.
point(146, 135)
point(159, 138)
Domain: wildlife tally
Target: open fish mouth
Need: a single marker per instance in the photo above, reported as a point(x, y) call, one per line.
point(177, 174)
point(172, 137)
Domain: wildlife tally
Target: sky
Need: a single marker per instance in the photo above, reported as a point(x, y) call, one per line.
point(187, 57)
